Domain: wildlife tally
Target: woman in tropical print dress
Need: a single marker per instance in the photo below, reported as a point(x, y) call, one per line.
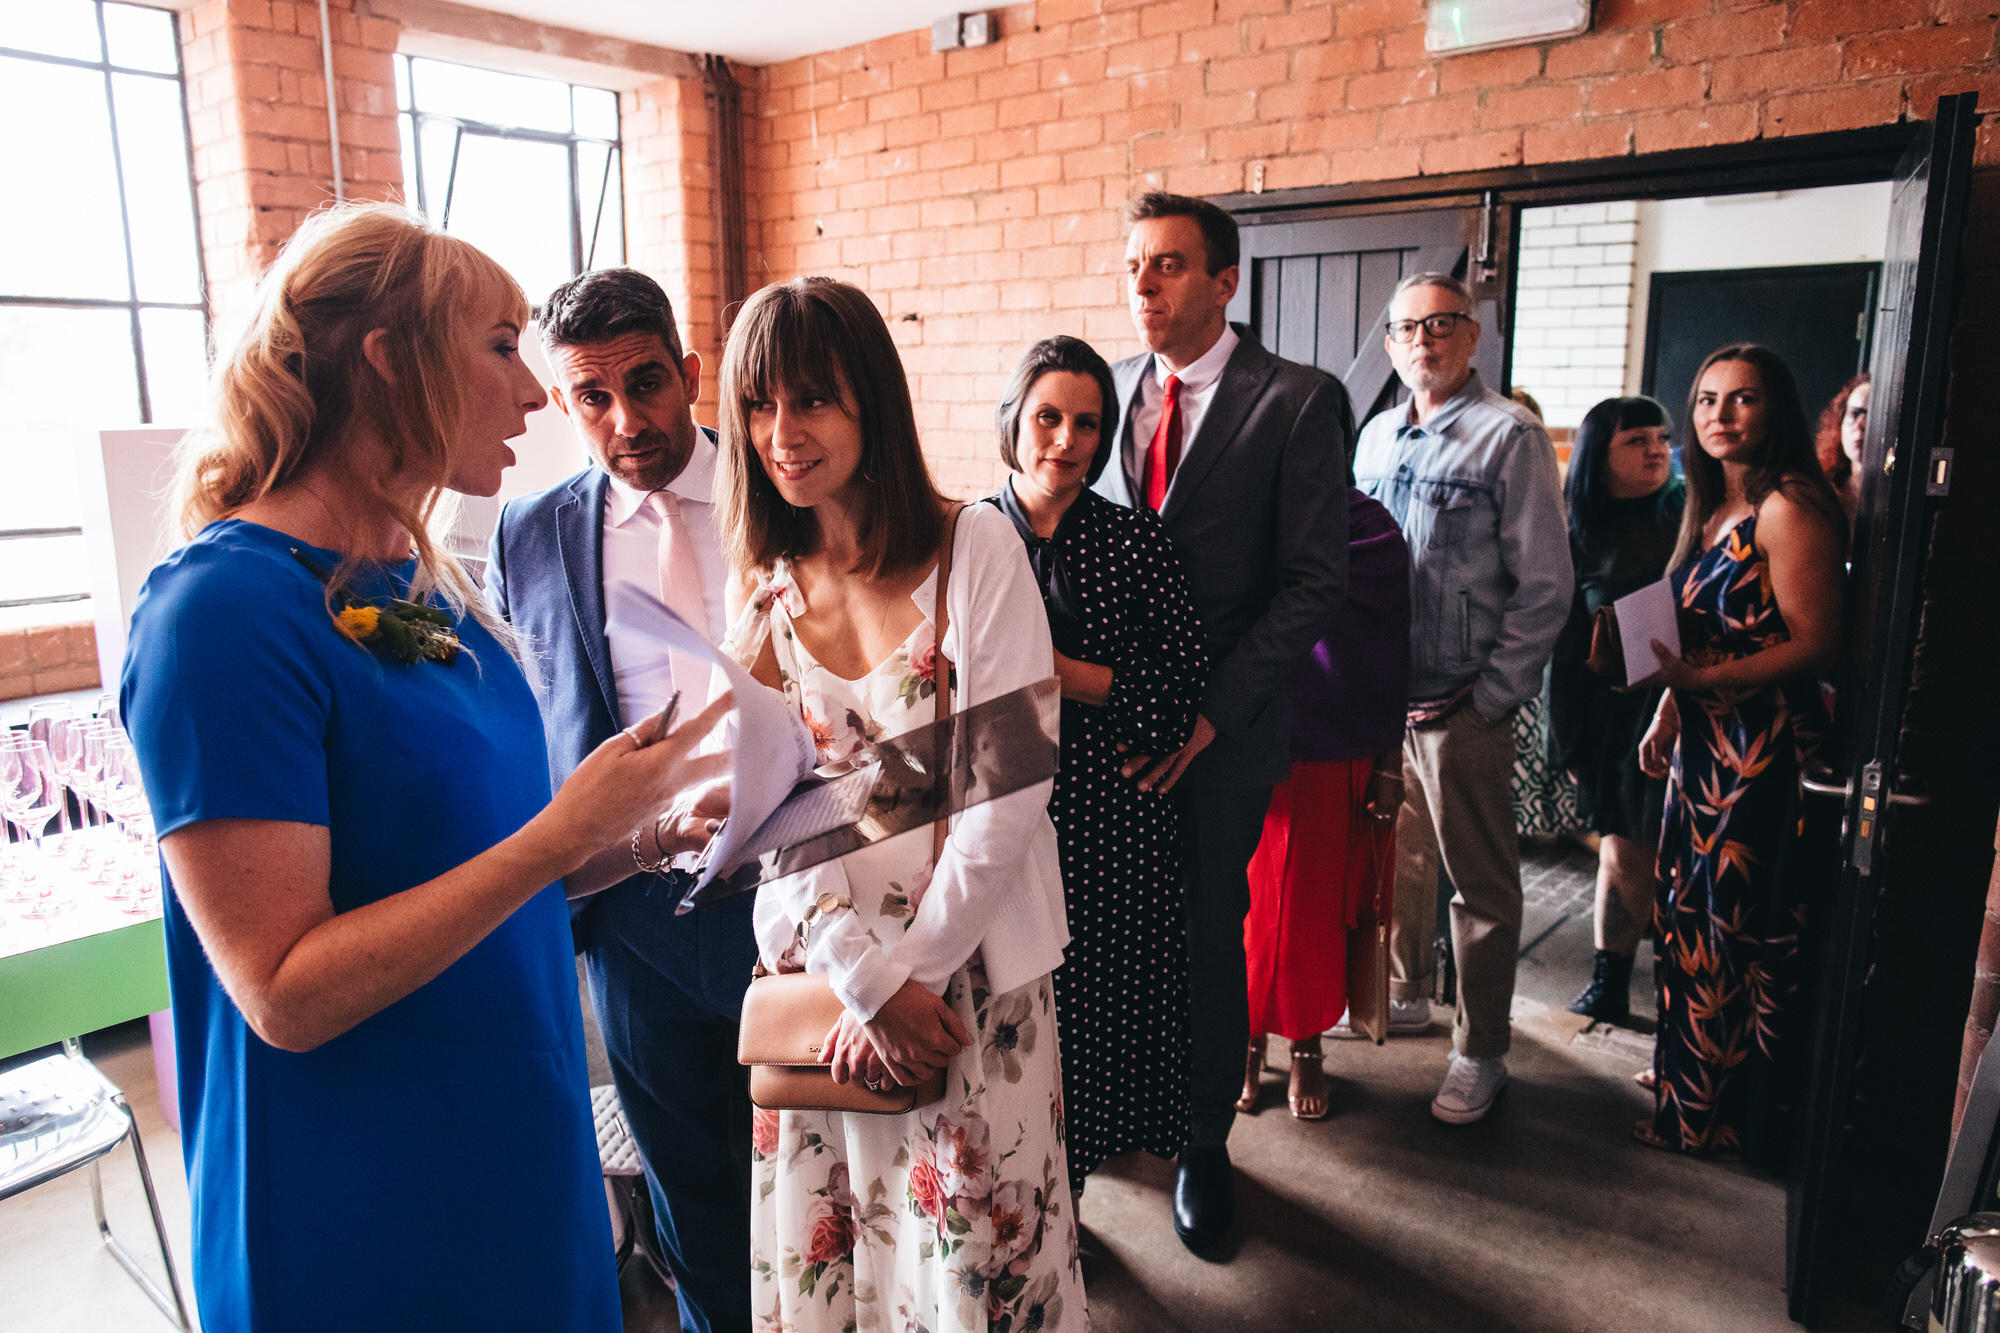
point(1757, 570)
point(955, 1217)
point(1130, 655)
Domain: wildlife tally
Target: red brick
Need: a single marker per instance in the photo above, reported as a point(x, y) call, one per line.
point(1614, 14)
point(1740, 33)
point(1013, 81)
point(1472, 152)
point(918, 71)
point(1228, 109)
point(1650, 91)
point(1531, 106)
point(1034, 110)
point(1919, 50)
point(1001, 205)
point(1139, 57)
point(845, 114)
point(1214, 178)
point(1375, 164)
point(1845, 108)
point(1248, 72)
point(1061, 136)
point(1244, 144)
point(1576, 142)
point(1094, 99)
point(1697, 127)
point(1029, 234)
point(1122, 125)
point(1037, 44)
point(974, 60)
point(1037, 170)
point(1306, 27)
point(866, 83)
point(1355, 129)
point(1436, 118)
point(1171, 87)
point(1229, 10)
point(1109, 159)
point(1925, 91)
point(1390, 88)
point(1302, 101)
point(76, 676)
point(979, 118)
point(1749, 77)
point(1404, 48)
point(894, 106)
point(1104, 30)
point(1607, 53)
point(1204, 44)
point(1295, 172)
point(1076, 70)
point(1076, 196)
point(910, 131)
point(14, 653)
point(1006, 145)
point(1174, 16)
point(1328, 60)
point(48, 648)
point(1156, 151)
point(1489, 69)
point(1816, 20)
point(1358, 16)
point(949, 93)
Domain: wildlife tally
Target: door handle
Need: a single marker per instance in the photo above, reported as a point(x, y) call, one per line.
point(1820, 781)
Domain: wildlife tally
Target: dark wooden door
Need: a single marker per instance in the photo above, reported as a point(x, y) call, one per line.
point(1875, 961)
point(1317, 291)
point(1816, 316)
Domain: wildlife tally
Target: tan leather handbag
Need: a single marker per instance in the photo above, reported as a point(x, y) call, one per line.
point(787, 1015)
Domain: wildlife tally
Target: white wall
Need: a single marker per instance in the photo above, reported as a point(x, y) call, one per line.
point(1839, 224)
point(1572, 304)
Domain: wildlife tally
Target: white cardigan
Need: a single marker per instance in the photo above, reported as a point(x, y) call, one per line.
point(998, 887)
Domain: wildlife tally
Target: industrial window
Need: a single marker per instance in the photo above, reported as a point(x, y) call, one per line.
point(527, 169)
point(102, 318)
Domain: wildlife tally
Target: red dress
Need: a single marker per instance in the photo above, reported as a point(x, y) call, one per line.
point(1325, 868)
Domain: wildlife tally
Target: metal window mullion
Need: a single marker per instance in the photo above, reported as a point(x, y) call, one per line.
point(73, 63)
point(125, 223)
point(451, 179)
point(575, 199)
point(194, 204)
point(597, 218)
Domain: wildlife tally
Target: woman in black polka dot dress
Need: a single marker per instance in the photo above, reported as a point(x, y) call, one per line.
point(1128, 649)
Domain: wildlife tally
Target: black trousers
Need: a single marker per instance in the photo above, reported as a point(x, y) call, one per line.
point(1222, 828)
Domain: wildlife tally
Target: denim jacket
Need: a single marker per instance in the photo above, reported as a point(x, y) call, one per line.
point(1477, 494)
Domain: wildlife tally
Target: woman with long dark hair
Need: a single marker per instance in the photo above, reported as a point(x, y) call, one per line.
point(956, 1215)
point(1625, 501)
point(1757, 576)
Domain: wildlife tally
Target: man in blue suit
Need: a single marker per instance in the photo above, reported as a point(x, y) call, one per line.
point(668, 990)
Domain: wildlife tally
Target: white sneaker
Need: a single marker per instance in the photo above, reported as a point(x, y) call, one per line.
point(1470, 1085)
point(1406, 1018)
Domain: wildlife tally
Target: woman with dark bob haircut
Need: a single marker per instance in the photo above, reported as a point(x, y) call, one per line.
point(1129, 651)
point(1625, 502)
point(957, 1214)
point(1757, 576)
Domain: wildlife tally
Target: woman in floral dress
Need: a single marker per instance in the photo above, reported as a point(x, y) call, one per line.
point(955, 1216)
point(1758, 574)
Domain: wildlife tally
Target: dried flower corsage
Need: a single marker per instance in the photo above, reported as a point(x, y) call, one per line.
point(402, 631)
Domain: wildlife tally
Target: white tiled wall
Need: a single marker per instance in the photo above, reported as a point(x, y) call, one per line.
point(1574, 296)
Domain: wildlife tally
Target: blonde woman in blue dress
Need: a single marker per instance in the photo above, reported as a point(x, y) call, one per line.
point(955, 1217)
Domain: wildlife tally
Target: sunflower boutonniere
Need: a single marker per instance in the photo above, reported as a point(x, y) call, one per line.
point(402, 631)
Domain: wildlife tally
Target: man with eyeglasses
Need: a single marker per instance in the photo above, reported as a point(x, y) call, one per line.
point(1471, 478)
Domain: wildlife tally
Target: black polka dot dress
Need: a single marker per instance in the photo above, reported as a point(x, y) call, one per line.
point(1117, 596)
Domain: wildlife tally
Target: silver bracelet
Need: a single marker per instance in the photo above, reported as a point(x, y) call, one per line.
point(648, 867)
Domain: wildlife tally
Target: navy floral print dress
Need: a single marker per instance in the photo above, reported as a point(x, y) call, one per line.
point(1731, 904)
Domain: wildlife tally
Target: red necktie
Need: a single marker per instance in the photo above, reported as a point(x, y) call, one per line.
point(1165, 453)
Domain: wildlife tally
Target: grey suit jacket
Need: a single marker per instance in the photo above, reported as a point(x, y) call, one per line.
point(1258, 513)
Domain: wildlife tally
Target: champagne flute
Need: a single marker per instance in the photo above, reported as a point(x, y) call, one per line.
point(53, 723)
point(30, 793)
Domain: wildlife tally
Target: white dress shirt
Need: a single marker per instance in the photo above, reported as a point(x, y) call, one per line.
point(632, 555)
point(1199, 382)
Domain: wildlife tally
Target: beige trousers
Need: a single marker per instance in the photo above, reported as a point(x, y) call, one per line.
point(1458, 806)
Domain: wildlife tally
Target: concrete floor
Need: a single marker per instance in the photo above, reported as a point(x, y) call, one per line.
point(1544, 1216)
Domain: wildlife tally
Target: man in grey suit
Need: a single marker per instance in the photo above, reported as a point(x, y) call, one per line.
point(1244, 457)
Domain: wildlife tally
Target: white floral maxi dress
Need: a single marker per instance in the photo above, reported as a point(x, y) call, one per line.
point(954, 1218)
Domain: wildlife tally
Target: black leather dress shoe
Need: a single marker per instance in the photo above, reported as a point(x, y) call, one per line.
point(1204, 1196)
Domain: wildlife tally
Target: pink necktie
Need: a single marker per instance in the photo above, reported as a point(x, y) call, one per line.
point(680, 589)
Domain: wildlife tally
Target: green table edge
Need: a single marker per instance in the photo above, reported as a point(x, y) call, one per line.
point(79, 986)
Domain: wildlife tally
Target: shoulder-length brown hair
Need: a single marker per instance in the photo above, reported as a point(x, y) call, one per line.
point(820, 335)
point(1785, 461)
point(284, 398)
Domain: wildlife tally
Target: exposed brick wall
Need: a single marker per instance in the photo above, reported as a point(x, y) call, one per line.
point(47, 660)
point(1573, 305)
point(670, 230)
point(256, 90)
point(974, 193)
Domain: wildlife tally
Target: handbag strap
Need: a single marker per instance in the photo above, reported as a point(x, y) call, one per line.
point(942, 671)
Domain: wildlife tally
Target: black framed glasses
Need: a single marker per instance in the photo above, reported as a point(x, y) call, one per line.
point(1435, 327)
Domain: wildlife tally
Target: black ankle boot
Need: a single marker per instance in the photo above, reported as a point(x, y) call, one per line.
point(1608, 997)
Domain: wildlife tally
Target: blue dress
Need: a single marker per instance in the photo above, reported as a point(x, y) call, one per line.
point(435, 1167)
